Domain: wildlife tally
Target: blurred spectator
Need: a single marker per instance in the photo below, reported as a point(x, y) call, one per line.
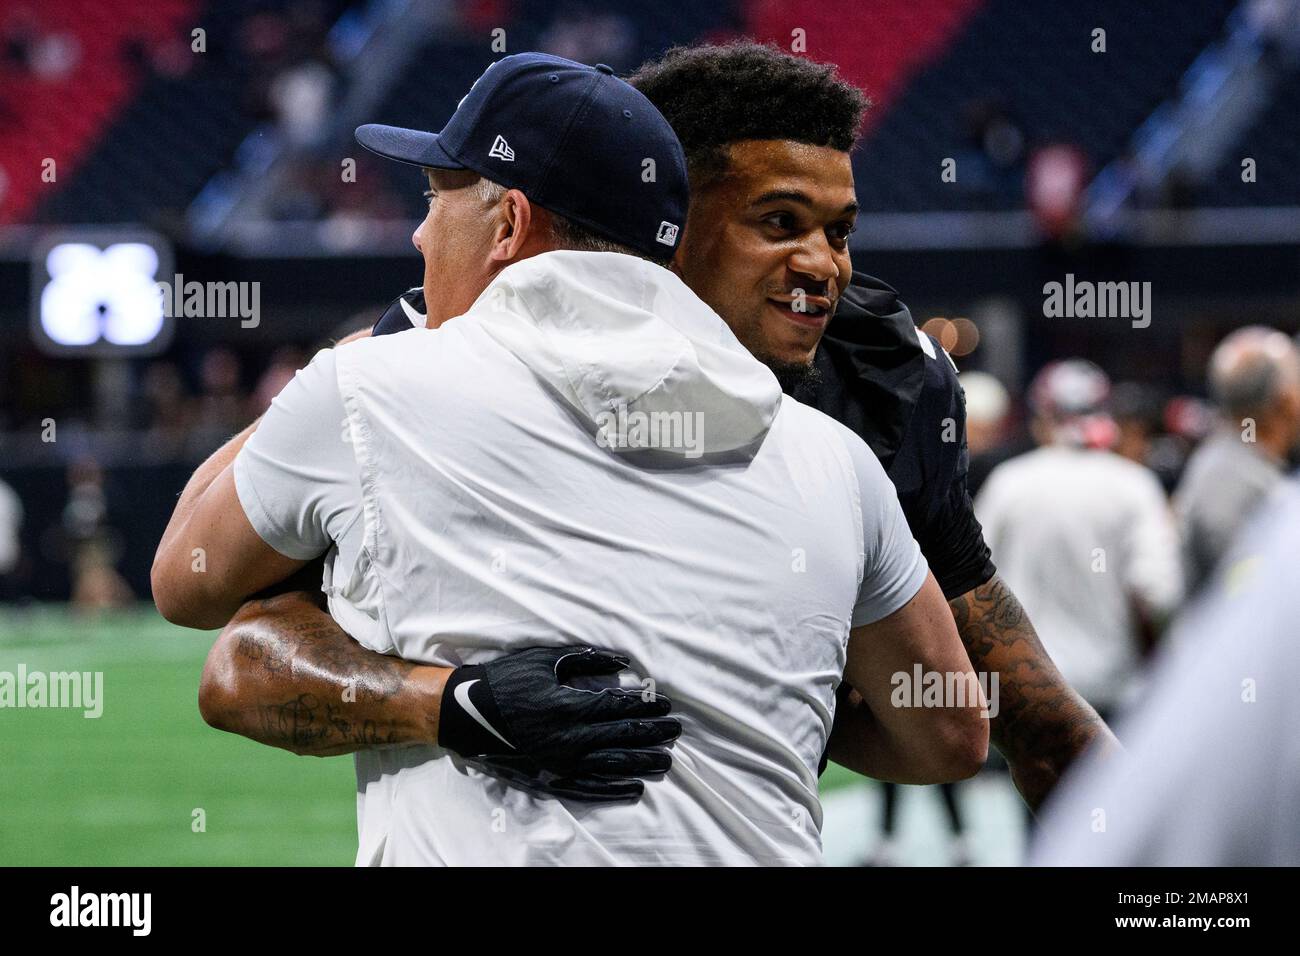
point(11, 522)
point(221, 410)
point(886, 850)
point(315, 190)
point(1137, 410)
point(1054, 187)
point(1255, 380)
point(30, 47)
point(294, 77)
point(164, 410)
point(993, 160)
point(169, 57)
point(1211, 771)
point(284, 365)
point(1139, 413)
point(93, 545)
point(988, 426)
point(1278, 22)
point(1083, 536)
point(987, 408)
point(300, 97)
point(1187, 421)
point(590, 35)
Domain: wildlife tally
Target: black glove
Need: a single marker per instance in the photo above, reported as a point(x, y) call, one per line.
point(525, 773)
point(517, 716)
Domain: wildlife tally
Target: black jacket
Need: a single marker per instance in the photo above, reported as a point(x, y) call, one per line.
point(896, 387)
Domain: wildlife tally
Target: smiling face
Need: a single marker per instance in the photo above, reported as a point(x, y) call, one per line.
point(766, 245)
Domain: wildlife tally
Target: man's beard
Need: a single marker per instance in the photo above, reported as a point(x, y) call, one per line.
point(793, 377)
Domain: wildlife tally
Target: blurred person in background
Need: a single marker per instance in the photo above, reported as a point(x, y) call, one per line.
point(886, 851)
point(1084, 536)
point(993, 159)
point(11, 523)
point(221, 404)
point(1211, 771)
point(1254, 379)
point(1136, 411)
point(93, 546)
point(989, 435)
point(167, 409)
point(284, 364)
point(1055, 181)
point(1139, 413)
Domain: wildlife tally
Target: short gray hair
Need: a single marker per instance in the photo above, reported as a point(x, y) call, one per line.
point(1251, 367)
point(489, 192)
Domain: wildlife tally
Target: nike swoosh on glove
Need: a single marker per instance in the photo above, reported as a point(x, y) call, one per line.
point(518, 716)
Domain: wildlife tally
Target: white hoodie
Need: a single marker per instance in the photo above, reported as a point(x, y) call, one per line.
point(486, 488)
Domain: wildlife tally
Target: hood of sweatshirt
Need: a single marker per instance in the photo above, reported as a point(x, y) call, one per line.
point(632, 351)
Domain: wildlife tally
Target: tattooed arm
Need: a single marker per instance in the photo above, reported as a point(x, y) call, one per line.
point(1041, 724)
point(283, 673)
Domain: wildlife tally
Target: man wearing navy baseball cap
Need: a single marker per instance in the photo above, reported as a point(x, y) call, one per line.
point(556, 154)
point(575, 445)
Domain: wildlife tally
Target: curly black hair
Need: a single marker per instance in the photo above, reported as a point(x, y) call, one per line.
point(715, 95)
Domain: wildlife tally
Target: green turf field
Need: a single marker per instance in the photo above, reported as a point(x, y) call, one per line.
point(122, 789)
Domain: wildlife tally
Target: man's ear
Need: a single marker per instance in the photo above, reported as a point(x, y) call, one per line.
point(517, 223)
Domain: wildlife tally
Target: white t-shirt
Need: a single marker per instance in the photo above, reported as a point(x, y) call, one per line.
point(472, 514)
point(1079, 535)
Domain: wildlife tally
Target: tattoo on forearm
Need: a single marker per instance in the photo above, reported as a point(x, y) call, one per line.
point(301, 647)
point(1042, 724)
point(310, 726)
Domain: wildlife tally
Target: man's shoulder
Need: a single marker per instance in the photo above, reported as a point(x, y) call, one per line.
point(880, 374)
point(941, 399)
point(1022, 467)
point(1102, 469)
point(805, 420)
point(1224, 454)
point(1134, 477)
point(873, 328)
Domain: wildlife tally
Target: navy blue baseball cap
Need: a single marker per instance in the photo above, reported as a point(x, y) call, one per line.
point(574, 139)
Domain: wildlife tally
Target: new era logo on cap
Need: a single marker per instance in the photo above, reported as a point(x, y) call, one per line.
point(667, 233)
point(501, 149)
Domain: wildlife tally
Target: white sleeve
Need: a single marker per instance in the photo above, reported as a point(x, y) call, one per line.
point(297, 477)
point(894, 568)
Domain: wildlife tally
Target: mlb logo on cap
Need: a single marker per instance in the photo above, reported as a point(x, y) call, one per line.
point(572, 138)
